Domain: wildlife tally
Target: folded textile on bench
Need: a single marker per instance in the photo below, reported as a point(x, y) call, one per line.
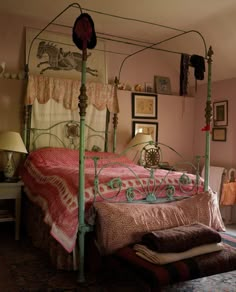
point(181, 238)
point(165, 258)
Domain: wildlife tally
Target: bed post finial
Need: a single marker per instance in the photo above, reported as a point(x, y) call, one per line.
point(210, 54)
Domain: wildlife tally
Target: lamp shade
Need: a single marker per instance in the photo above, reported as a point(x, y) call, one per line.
point(12, 141)
point(140, 139)
point(136, 145)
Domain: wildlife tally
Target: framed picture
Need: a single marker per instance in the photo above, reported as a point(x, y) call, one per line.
point(162, 84)
point(144, 106)
point(219, 134)
point(220, 113)
point(150, 128)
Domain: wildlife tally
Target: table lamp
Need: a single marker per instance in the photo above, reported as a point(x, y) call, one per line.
point(11, 142)
point(138, 142)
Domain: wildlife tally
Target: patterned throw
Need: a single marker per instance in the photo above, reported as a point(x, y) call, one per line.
point(50, 176)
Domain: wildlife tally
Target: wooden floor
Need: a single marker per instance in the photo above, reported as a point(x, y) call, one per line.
point(231, 229)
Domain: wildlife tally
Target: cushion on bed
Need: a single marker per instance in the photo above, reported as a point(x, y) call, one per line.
point(181, 238)
point(109, 160)
point(52, 154)
point(101, 155)
point(121, 224)
point(61, 156)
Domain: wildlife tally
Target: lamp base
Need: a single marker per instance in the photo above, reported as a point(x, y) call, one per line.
point(13, 179)
point(9, 169)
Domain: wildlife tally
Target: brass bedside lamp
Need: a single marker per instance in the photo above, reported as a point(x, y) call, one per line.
point(11, 142)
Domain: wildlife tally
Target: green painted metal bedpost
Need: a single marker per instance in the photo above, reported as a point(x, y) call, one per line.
point(115, 123)
point(27, 116)
point(208, 116)
point(106, 130)
point(27, 125)
point(81, 202)
point(115, 117)
point(84, 37)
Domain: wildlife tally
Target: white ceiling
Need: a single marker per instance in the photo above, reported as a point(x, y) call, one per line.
point(214, 19)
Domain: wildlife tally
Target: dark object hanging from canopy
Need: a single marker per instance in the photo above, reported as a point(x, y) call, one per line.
point(198, 63)
point(83, 34)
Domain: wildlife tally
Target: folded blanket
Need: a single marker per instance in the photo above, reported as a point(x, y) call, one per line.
point(181, 238)
point(165, 258)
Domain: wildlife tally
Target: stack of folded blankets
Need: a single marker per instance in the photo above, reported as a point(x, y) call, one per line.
point(178, 243)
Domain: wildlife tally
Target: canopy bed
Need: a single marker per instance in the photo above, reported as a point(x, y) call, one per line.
point(87, 184)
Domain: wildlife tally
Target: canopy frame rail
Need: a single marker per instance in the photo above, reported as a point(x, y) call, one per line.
point(83, 227)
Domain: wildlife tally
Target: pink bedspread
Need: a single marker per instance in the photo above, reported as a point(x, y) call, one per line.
point(51, 175)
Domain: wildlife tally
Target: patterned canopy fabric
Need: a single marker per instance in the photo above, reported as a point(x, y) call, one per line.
point(66, 91)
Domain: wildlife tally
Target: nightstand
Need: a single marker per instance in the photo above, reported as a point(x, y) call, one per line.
point(12, 191)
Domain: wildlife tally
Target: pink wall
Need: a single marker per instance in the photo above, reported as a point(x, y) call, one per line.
point(175, 118)
point(222, 153)
point(176, 114)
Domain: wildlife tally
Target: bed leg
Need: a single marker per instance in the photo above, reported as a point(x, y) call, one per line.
point(74, 259)
point(81, 277)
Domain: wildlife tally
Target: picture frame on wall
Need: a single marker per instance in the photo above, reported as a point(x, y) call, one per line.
point(162, 84)
point(219, 134)
point(220, 113)
point(144, 105)
point(144, 127)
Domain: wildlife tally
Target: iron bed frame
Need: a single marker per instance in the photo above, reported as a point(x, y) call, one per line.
point(82, 102)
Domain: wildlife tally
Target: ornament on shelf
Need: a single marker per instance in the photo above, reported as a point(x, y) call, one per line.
point(138, 87)
point(2, 69)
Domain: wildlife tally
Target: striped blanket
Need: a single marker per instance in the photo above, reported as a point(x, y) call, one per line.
point(183, 270)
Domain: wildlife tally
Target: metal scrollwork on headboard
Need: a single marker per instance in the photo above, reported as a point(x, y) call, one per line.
point(72, 132)
point(150, 156)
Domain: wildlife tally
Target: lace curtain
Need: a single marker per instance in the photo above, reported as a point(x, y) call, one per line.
point(66, 91)
point(55, 100)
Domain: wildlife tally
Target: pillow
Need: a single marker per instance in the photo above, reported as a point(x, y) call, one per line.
point(101, 155)
point(121, 224)
point(107, 158)
point(54, 155)
point(58, 155)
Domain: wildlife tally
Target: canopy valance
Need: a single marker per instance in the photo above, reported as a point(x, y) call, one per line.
point(66, 91)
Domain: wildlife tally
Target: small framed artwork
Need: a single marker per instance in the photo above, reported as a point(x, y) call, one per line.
point(219, 134)
point(220, 113)
point(150, 128)
point(144, 105)
point(162, 84)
